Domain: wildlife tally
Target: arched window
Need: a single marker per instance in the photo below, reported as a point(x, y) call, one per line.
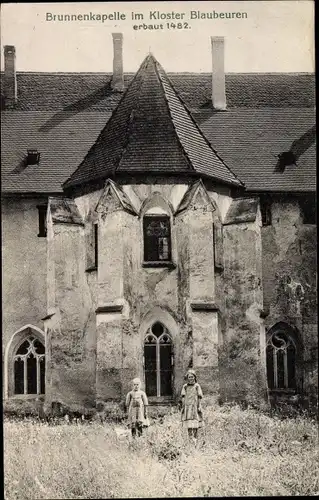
point(29, 367)
point(158, 361)
point(157, 238)
point(156, 214)
point(281, 357)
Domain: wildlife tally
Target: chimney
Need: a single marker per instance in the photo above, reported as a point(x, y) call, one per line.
point(118, 77)
point(10, 77)
point(218, 75)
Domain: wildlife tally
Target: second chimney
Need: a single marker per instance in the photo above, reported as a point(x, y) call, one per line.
point(118, 76)
point(218, 74)
point(10, 77)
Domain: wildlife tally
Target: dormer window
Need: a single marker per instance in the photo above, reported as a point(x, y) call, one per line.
point(285, 159)
point(33, 157)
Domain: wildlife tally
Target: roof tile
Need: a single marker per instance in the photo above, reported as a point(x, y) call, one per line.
point(92, 91)
point(62, 115)
point(150, 125)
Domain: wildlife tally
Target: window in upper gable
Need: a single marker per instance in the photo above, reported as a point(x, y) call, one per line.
point(308, 209)
point(42, 217)
point(92, 247)
point(265, 209)
point(157, 238)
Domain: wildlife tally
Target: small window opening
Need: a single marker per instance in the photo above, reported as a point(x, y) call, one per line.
point(265, 209)
point(33, 157)
point(157, 238)
point(308, 209)
point(92, 250)
point(218, 246)
point(285, 159)
point(96, 244)
point(42, 210)
point(157, 329)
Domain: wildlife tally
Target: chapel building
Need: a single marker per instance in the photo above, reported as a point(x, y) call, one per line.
point(156, 222)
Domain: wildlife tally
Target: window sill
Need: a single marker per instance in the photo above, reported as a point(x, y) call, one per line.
point(91, 269)
point(27, 397)
point(204, 306)
point(282, 391)
point(160, 263)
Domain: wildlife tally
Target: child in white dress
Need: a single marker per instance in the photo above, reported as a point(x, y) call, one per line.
point(192, 395)
point(136, 406)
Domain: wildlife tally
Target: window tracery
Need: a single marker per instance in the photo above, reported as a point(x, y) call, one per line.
point(29, 367)
point(281, 360)
point(158, 361)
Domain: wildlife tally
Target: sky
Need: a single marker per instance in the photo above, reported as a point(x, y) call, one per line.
point(276, 36)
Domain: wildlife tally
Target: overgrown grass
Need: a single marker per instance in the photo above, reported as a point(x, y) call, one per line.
point(239, 453)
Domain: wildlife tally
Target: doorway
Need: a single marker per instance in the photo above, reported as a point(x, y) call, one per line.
point(158, 361)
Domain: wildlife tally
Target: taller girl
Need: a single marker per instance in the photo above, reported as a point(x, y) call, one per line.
point(192, 415)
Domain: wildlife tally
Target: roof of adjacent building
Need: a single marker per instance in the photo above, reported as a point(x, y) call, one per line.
point(62, 115)
point(93, 91)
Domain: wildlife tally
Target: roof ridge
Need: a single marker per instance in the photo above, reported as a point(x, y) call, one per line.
point(142, 66)
point(198, 129)
point(104, 129)
point(170, 114)
point(107, 126)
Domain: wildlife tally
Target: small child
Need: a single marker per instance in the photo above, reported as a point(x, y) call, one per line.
point(192, 395)
point(136, 406)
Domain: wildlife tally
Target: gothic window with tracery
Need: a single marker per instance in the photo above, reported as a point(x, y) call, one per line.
point(281, 360)
point(29, 367)
point(158, 361)
point(157, 238)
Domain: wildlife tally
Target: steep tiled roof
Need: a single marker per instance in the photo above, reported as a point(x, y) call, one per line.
point(92, 91)
point(151, 131)
point(63, 114)
point(249, 140)
point(62, 140)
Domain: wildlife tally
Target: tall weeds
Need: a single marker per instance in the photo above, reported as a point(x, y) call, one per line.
point(238, 453)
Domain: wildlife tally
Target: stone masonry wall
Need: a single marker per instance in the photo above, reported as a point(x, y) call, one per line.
point(289, 266)
point(241, 358)
point(71, 341)
point(141, 291)
point(24, 266)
